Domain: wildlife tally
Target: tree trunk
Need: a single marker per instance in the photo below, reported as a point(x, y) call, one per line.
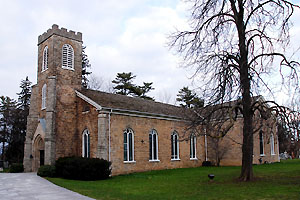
point(245, 79)
point(247, 148)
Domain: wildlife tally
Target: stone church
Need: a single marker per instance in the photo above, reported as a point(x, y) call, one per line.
point(133, 133)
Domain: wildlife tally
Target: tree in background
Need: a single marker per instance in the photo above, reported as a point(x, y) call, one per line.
point(124, 86)
point(123, 83)
point(7, 120)
point(232, 44)
point(85, 65)
point(140, 91)
point(13, 122)
point(288, 141)
point(189, 99)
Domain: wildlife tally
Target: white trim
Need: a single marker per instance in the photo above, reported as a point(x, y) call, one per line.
point(45, 59)
point(272, 145)
point(154, 160)
point(154, 132)
point(128, 131)
point(44, 96)
point(193, 140)
point(129, 162)
point(178, 159)
point(86, 132)
point(88, 100)
point(193, 158)
point(69, 50)
point(262, 155)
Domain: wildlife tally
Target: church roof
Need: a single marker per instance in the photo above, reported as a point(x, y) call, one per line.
point(133, 104)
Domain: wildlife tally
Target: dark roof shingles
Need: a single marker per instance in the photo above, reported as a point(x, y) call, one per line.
point(116, 101)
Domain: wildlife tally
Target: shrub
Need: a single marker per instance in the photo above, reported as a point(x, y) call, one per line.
point(46, 171)
point(207, 164)
point(79, 168)
point(16, 168)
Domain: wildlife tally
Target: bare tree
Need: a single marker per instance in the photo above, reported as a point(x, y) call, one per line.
point(232, 45)
point(219, 149)
point(164, 96)
point(95, 82)
point(100, 83)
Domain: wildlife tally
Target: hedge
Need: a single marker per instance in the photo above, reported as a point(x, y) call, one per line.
point(16, 168)
point(47, 171)
point(79, 168)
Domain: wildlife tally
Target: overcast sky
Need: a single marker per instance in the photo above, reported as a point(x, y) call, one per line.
point(120, 35)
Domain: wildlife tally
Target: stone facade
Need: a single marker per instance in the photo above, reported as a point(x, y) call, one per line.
point(71, 111)
point(59, 116)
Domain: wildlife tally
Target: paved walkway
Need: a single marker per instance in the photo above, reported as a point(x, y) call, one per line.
point(29, 186)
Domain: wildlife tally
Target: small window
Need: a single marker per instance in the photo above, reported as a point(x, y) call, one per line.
point(193, 142)
point(67, 57)
point(261, 143)
point(128, 145)
point(44, 96)
point(153, 146)
point(45, 59)
point(272, 144)
point(174, 146)
point(86, 144)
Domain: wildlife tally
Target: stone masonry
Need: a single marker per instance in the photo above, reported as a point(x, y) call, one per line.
point(70, 110)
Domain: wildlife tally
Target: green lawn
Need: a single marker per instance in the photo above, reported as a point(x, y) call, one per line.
point(273, 181)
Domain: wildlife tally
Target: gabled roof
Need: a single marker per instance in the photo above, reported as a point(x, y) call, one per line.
point(103, 100)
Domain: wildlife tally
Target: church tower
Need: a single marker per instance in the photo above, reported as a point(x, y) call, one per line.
point(53, 97)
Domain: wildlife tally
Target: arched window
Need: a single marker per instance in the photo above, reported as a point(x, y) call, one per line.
point(272, 144)
point(193, 142)
point(153, 145)
point(44, 96)
point(261, 143)
point(86, 144)
point(174, 146)
point(67, 57)
point(128, 145)
point(45, 59)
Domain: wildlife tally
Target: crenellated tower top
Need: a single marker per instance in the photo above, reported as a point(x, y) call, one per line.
point(61, 32)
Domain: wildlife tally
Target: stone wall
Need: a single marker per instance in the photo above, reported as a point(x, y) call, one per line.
point(60, 114)
point(232, 144)
point(88, 119)
point(141, 127)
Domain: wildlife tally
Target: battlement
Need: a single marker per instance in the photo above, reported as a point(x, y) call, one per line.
point(61, 32)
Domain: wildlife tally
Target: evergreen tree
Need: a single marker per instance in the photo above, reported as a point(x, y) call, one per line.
point(85, 65)
point(7, 118)
point(24, 95)
point(140, 91)
point(124, 85)
point(189, 98)
point(13, 122)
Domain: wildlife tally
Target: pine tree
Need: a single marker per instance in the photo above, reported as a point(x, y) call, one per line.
point(189, 98)
point(7, 119)
point(85, 65)
point(124, 85)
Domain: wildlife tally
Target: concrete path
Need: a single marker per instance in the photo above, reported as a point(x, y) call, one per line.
point(29, 186)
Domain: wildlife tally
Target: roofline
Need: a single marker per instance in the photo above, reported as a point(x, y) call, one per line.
point(134, 113)
point(125, 111)
point(88, 100)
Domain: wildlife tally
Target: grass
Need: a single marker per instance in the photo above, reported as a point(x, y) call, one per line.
point(272, 181)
